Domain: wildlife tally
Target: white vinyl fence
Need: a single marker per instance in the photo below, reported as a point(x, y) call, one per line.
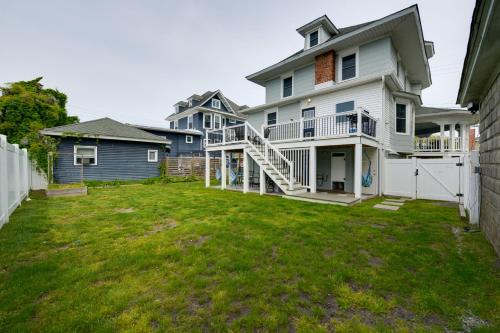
point(472, 200)
point(14, 178)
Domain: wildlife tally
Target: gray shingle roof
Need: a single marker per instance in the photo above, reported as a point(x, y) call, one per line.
point(205, 96)
point(104, 127)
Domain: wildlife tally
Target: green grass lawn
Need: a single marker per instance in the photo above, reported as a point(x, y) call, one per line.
point(179, 257)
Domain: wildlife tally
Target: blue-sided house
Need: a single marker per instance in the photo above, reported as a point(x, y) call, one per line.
point(183, 142)
point(105, 149)
point(209, 111)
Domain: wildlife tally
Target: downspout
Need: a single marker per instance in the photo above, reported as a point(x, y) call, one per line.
point(381, 150)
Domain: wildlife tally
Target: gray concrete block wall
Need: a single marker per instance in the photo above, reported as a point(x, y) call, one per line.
point(490, 164)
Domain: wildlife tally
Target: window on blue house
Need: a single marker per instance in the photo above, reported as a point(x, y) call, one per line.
point(215, 103)
point(86, 155)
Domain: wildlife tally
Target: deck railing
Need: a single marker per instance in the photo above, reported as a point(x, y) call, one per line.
point(434, 143)
point(329, 126)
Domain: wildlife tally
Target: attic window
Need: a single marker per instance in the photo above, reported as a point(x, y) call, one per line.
point(313, 38)
point(215, 103)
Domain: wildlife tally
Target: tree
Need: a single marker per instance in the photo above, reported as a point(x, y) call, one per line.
point(26, 107)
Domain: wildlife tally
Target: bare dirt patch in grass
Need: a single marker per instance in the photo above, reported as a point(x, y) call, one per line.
point(125, 210)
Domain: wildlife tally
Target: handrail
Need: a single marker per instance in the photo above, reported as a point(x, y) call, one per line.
point(269, 149)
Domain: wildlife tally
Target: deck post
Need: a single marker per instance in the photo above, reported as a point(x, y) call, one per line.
point(359, 122)
point(245, 171)
point(312, 169)
point(441, 143)
point(452, 137)
point(301, 129)
point(465, 137)
point(223, 177)
point(207, 168)
point(358, 147)
point(262, 181)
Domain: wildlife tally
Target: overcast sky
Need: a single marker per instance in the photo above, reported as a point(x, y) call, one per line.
point(132, 60)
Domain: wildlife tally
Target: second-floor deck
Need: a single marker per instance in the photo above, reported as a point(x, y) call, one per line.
point(355, 123)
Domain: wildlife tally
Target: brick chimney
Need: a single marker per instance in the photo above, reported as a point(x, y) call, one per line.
point(325, 67)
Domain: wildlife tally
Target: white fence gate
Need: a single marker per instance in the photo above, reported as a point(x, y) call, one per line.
point(14, 178)
point(435, 179)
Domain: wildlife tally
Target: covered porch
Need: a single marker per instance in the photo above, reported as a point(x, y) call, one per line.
point(442, 131)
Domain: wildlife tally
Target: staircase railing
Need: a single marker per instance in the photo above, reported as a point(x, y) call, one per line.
point(271, 155)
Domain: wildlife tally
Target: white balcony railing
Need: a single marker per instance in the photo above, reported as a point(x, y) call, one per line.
point(434, 143)
point(329, 126)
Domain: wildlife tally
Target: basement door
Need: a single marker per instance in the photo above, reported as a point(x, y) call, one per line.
point(440, 179)
point(338, 171)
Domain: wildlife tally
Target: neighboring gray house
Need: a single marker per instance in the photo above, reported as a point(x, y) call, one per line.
point(480, 92)
point(183, 142)
point(105, 149)
point(209, 111)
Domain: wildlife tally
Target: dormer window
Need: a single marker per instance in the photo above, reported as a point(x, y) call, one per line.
point(314, 38)
point(216, 103)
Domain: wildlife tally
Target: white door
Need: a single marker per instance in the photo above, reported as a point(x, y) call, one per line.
point(440, 179)
point(338, 167)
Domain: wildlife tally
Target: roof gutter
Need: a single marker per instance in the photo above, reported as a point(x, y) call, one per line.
point(322, 91)
point(463, 93)
point(105, 137)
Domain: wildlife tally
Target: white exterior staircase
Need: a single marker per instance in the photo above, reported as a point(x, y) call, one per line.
point(274, 164)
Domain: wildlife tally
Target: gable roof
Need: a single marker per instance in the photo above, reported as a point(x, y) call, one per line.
point(404, 26)
point(104, 128)
point(320, 21)
point(231, 106)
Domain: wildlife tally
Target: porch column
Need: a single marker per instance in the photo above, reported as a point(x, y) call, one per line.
point(464, 129)
point(452, 136)
point(207, 169)
point(358, 148)
point(441, 143)
point(262, 181)
point(245, 171)
point(312, 168)
point(223, 176)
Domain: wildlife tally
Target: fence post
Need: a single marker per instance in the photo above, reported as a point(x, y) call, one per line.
point(4, 185)
point(25, 175)
point(16, 177)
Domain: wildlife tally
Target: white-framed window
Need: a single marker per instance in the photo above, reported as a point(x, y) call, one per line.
point(287, 86)
point(189, 139)
point(271, 118)
point(231, 120)
point(85, 154)
point(152, 155)
point(401, 118)
point(190, 121)
point(217, 121)
point(216, 103)
point(176, 124)
point(313, 38)
point(207, 120)
point(348, 66)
